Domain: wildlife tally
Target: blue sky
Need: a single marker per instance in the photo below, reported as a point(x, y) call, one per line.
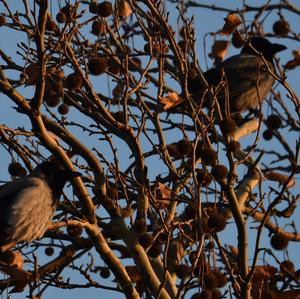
point(205, 21)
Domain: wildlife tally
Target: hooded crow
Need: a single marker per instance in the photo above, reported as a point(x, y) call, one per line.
point(247, 75)
point(27, 204)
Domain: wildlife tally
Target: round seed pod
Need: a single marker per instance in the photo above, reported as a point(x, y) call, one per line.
point(63, 109)
point(281, 27)
point(51, 25)
point(61, 17)
point(54, 87)
point(16, 169)
point(114, 67)
point(203, 177)
point(145, 240)
point(204, 221)
point(155, 250)
point(139, 226)
point(52, 101)
point(227, 125)
point(105, 9)
point(234, 146)
point(2, 20)
point(147, 48)
point(182, 271)
point(216, 294)
point(221, 278)
point(31, 74)
point(219, 172)
point(189, 212)
point(210, 281)
point(49, 251)
point(68, 10)
point(268, 134)
point(185, 147)
point(163, 237)
point(104, 273)
point(97, 66)
point(237, 40)
point(197, 296)
point(210, 245)
point(74, 81)
point(74, 230)
point(274, 122)
point(279, 241)
point(287, 265)
point(217, 222)
point(98, 27)
point(208, 156)
point(205, 294)
point(137, 61)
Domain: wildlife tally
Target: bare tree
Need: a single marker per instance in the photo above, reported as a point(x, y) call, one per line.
point(105, 88)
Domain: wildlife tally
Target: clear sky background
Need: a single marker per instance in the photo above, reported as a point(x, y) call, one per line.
point(205, 21)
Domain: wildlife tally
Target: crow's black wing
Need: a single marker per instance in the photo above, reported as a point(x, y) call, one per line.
point(248, 81)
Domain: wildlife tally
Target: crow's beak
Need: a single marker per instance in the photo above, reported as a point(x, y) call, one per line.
point(275, 48)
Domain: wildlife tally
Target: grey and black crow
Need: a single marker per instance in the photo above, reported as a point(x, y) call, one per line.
point(27, 204)
point(247, 75)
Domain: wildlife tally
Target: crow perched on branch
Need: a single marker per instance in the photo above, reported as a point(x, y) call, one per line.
point(27, 204)
point(247, 75)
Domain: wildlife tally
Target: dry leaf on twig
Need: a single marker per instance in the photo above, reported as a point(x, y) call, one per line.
point(124, 9)
point(294, 62)
point(219, 50)
point(232, 21)
point(280, 178)
point(31, 72)
point(20, 277)
point(171, 100)
point(162, 196)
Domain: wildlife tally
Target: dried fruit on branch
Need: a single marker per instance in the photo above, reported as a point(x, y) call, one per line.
point(281, 27)
point(291, 64)
point(97, 66)
point(171, 100)
point(124, 9)
point(105, 9)
point(280, 178)
point(74, 81)
point(232, 21)
point(274, 122)
point(219, 50)
point(279, 241)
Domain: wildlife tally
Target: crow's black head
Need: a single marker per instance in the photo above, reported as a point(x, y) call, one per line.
point(263, 46)
point(55, 175)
